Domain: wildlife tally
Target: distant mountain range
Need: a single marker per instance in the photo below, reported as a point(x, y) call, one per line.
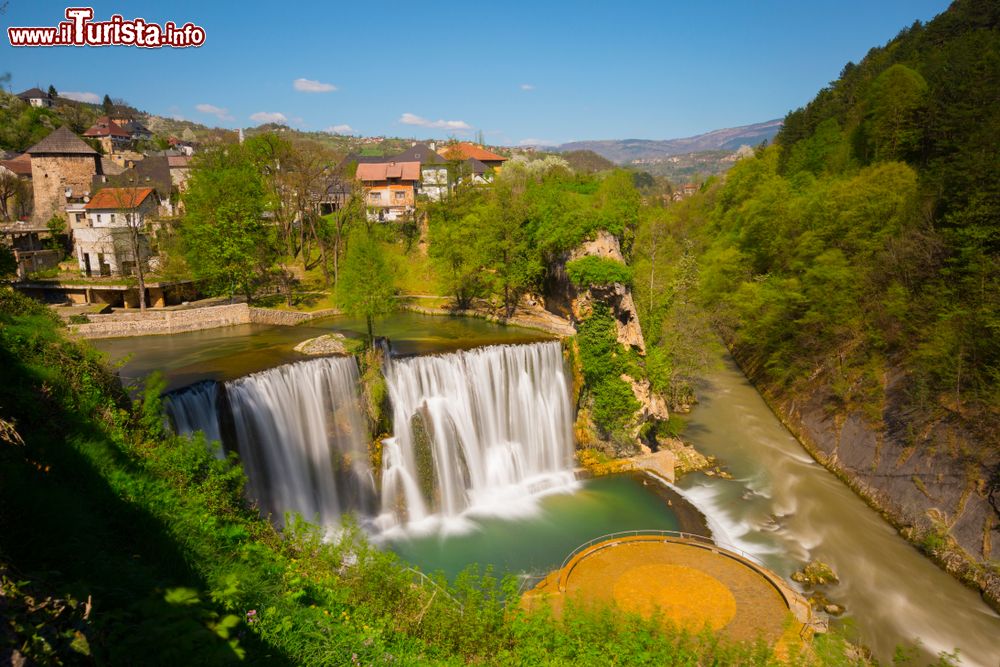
point(624, 151)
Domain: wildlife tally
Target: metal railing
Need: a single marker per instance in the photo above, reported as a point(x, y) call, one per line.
point(654, 533)
point(424, 579)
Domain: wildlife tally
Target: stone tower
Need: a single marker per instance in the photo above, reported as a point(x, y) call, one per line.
point(62, 168)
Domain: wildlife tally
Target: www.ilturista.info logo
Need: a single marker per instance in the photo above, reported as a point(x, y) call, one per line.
point(80, 30)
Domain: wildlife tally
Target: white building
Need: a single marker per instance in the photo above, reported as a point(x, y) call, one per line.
point(115, 226)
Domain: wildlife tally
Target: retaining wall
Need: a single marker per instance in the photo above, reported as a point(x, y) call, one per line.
point(153, 322)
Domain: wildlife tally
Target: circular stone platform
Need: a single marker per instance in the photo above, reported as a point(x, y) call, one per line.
point(691, 583)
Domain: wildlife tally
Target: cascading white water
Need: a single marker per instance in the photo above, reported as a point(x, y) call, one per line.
point(302, 439)
point(196, 409)
point(498, 424)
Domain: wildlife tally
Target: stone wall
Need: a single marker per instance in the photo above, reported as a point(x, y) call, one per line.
point(137, 323)
point(287, 318)
point(156, 321)
point(52, 174)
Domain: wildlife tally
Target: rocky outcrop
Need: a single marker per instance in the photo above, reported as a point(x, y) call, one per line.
point(564, 299)
point(653, 405)
point(619, 298)
point(328, 344)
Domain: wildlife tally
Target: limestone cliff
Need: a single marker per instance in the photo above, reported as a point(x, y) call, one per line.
point(564, 299)
point(575, 304)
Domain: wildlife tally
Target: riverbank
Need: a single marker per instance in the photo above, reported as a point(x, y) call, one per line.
point(157, 321)
point(528, 314)
point(172, 320)
point(838, 443)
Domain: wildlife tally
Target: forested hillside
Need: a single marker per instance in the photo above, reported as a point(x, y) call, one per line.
point(854, 268)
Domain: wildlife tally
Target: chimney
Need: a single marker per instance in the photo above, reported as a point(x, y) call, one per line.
point(433, 145)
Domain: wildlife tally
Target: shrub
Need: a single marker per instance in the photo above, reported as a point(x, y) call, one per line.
point(593, 270)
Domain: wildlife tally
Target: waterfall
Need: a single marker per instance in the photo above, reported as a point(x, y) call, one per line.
point(299, 432)
point(485, 429)
point(482, 431)
point(302, 439)
point(196, 409)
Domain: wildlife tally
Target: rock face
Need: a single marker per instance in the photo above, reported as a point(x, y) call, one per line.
point(565, 300)
point(329, 344)
point(926, 484)
point(653, 405)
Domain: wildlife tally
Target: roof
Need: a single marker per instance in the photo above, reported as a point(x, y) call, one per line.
point(464, 150)
point(135, 127)
point(106, 127)
point(382, 171)
point(20, 165)
point(152, 171)
point(421, 153)
point(475, 166)
point(32, 93)
point(118, 198)
point(108, 168)
point(61, 141)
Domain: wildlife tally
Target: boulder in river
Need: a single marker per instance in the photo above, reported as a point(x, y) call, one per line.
point(327, 344)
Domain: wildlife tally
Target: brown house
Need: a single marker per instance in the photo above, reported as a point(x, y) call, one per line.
point(62, 168)
point(391, 188)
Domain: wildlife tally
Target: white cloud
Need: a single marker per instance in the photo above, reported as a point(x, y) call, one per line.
point(269, 117)
point(218, 112)
point(92, 98)
point(527, 86)
point(340, 129)
point(310, 86)
point(413, 119)
point(537, 142)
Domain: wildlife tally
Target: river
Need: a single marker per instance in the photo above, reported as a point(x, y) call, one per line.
point(786, 509)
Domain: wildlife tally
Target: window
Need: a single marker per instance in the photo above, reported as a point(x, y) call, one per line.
point(112, 218)
point(400, 195)
point(375, 196)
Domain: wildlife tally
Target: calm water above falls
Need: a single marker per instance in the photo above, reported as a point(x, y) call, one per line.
point(786, 509)
point(228, 353)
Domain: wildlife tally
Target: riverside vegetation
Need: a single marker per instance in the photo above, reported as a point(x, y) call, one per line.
point(126, 544)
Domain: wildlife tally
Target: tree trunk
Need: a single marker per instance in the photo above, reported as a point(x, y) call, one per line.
point(371, 329)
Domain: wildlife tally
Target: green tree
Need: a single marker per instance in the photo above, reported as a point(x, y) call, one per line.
point(897, 104)
point(508, 246)
point(107, 105)
point(8, 264)
point(455, 250)
point(366, 281)
point(226, 240)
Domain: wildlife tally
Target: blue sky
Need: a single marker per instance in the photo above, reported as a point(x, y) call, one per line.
point(519, 72)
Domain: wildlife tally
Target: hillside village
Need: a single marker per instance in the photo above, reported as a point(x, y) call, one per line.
point(81, 210)
point(84, 208)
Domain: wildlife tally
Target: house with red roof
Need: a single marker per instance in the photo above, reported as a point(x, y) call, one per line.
point(465, 150)
point(102, 242)
point(112, 136)
point(390, 188)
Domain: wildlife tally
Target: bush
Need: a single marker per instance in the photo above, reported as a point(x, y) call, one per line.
point(593, 270)
point(603, 361)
